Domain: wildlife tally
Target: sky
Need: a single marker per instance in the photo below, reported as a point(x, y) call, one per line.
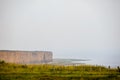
point(85, 29)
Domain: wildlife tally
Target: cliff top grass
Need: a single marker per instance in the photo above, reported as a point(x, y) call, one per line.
point(22, 51)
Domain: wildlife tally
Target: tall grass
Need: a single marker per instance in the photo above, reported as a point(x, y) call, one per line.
point(9, 71)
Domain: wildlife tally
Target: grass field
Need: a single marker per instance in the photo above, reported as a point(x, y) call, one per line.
point(10, 71)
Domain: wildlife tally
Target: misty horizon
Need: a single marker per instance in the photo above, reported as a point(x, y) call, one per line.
point(78, 29)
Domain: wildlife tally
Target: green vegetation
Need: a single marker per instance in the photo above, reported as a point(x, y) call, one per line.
point(10, 71)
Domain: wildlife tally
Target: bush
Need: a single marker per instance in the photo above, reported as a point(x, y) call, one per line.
point(2, 61)
point(24, 66)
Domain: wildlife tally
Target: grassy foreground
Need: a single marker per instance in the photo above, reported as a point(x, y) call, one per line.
point(10, 71)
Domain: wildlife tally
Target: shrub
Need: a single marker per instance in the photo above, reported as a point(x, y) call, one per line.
point(2, 61)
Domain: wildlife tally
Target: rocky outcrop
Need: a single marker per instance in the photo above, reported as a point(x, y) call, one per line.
point(26, 57)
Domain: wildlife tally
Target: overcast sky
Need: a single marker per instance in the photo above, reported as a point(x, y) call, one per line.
point(68, 28)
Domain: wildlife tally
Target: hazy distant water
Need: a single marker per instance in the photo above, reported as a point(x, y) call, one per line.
point(103, 63)
point(99, 58)
point(95, 61)
point(98, 63)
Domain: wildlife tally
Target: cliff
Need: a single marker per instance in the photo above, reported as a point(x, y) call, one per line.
point(26, 57)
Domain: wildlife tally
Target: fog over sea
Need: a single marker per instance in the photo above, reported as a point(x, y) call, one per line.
point(95, 59)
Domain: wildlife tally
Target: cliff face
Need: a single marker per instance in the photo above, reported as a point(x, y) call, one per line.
point(26, 57)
